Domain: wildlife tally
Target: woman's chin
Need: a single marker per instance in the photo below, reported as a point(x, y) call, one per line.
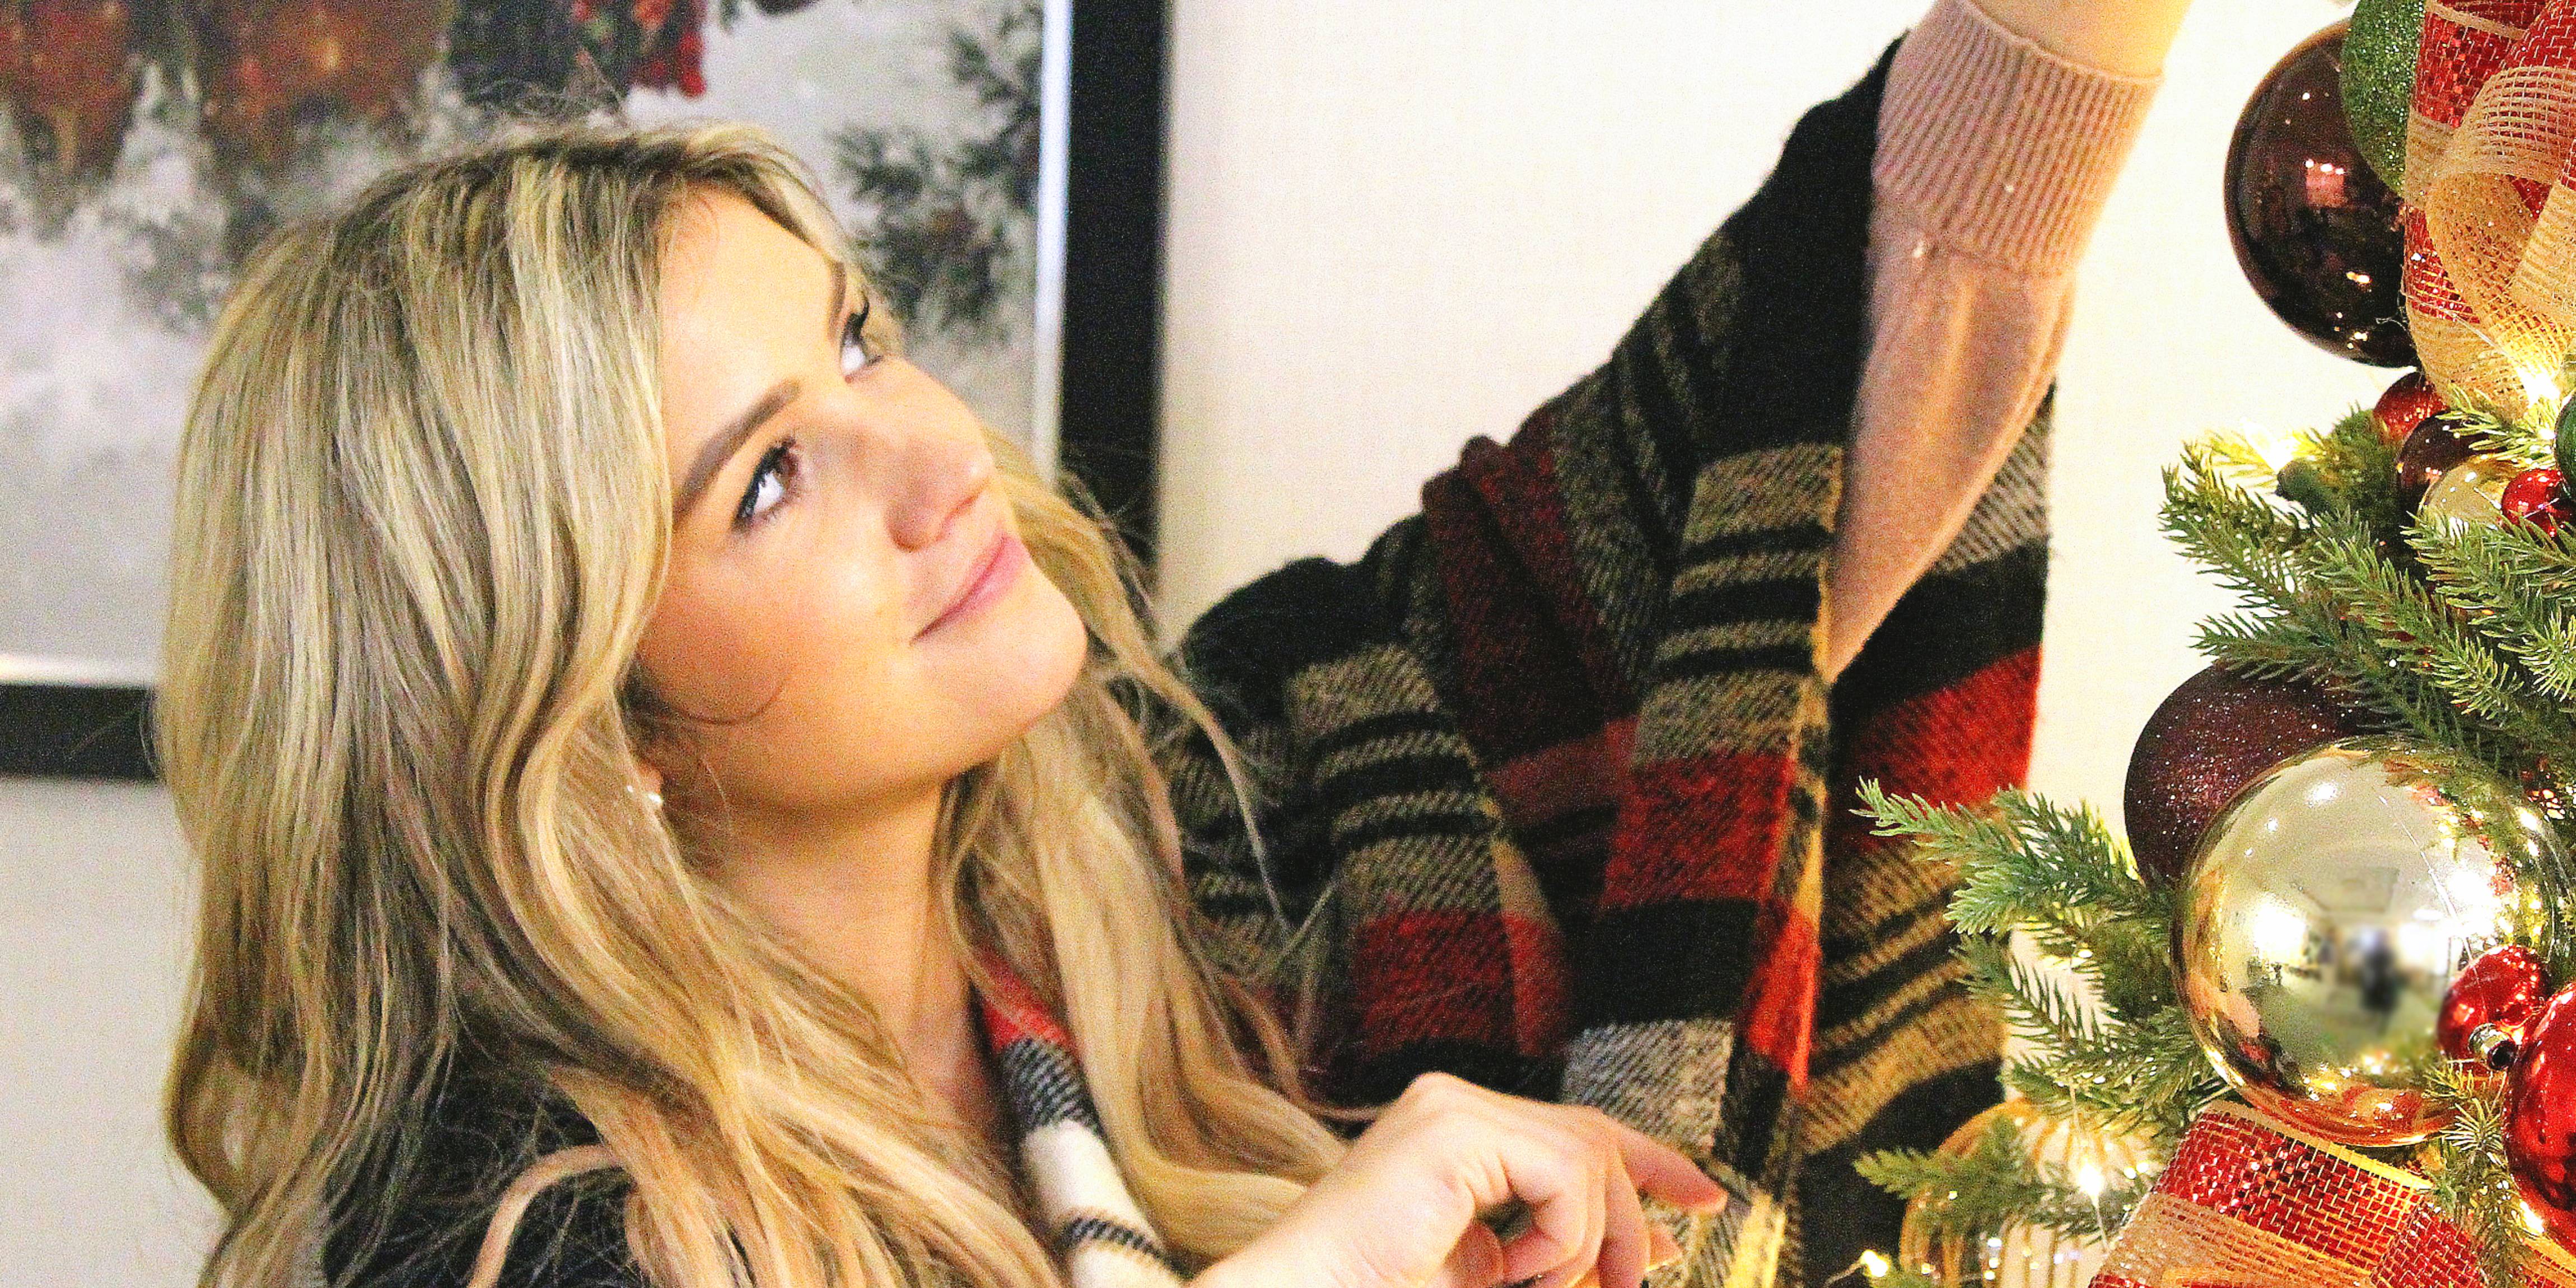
point(1026, 648)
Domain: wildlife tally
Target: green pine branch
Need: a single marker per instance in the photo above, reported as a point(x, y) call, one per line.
point(2523, 444)
point(2471, 1185)
point(2295, 625)
point(2424, 634)
point(1997, 1186)
point(2064, 878)
point(2513, 583)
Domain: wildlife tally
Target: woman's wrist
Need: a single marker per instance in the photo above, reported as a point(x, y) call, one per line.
point(2126, 37)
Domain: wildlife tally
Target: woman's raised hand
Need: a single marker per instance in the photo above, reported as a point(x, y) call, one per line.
point(2129, 37)
point(1401, 1210)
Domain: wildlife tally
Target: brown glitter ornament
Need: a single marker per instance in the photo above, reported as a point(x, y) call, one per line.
point(2210, 737)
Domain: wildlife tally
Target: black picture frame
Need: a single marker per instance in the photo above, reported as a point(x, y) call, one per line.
point(1111, 364)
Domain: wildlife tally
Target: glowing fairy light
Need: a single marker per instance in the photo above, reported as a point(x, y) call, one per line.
point(1875, 1265)
point(2089, 1179)
point(2540, 386)
point(2277, 447)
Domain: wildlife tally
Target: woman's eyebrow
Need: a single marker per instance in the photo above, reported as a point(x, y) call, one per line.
point(725, 442)
point(721, 445)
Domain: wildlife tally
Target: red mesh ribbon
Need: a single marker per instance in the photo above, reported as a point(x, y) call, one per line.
point(2249, 1203)
point(2490, 220)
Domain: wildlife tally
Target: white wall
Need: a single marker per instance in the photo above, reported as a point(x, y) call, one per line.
point(1393, 227)
point(92, 945)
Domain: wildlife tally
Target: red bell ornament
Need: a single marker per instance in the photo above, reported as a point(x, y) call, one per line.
point(2405, 406)
point(2538, 497)
point(2489, 1004)
point(2540, 1117)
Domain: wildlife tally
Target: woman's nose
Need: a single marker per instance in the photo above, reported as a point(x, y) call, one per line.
point(942, 475)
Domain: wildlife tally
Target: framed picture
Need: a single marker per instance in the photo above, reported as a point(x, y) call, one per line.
point(1000, 162)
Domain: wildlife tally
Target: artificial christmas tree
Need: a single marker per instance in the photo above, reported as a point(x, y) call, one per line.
point(2320, 1027)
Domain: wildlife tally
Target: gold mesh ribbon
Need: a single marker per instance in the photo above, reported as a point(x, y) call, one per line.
point(2491, 218)
point(2249, 1202)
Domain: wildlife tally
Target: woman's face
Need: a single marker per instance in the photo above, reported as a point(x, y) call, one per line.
point(848, 615)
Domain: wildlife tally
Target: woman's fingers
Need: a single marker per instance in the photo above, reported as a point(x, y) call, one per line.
point(1665, 1172)
point(1561, 1182)
point(1572, 1176)
point(1623, 1235)
point(1477, 1261)
point(1661, 1251)
point(1618, 1242)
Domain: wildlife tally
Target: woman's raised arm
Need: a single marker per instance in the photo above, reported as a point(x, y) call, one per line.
point(2005, 123)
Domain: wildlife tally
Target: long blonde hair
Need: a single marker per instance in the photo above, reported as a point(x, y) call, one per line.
point(422, 515)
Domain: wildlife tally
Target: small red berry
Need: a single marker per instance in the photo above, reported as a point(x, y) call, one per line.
point(2539, 497)
point(2405, 406)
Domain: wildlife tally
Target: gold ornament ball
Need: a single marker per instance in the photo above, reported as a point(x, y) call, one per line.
point(2326, 912)
point(2096, 1160)
point(2471, 492)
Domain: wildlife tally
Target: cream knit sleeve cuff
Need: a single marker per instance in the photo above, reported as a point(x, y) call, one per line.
point(1994, 160)
point(1998, 148)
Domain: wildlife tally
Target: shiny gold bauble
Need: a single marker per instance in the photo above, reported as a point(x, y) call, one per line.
point(2326, 912)
point(2471, 493)
point(2093, 1160)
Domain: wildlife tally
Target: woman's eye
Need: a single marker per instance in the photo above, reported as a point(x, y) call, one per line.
point(856, 353)
point(768, 484)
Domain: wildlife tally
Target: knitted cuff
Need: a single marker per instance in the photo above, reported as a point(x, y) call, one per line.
point(1996, 147)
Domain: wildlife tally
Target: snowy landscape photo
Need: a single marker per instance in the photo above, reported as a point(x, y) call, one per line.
point(148, 146)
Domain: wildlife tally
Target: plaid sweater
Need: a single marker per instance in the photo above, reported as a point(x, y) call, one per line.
point(1556, 790)
point(1553, 797)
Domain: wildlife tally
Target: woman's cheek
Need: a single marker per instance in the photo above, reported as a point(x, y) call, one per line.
point(1053, 648)
point(702, 660)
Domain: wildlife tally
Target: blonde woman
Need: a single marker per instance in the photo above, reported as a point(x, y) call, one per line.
point(681, 804)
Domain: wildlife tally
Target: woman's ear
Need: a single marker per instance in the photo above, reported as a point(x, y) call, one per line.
point(644, 728)
point(647, 787)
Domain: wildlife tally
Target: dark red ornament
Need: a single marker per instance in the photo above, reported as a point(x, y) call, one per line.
point(2540, 1117)
point(2499, 990)
point(2405, 406)
point(2209, 738)
point(2315, 230)
point(2538, 497)
point(2429, 452)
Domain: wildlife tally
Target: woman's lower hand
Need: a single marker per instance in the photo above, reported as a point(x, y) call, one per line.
point(1402, 1209)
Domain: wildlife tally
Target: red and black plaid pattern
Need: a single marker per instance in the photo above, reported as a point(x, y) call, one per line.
point(1548, 770)
point(1101, 1238)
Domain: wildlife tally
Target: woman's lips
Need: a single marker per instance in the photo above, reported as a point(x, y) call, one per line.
point(993, 576)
